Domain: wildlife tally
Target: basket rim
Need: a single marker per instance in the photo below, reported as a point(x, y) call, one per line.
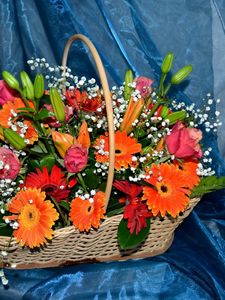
point(68, 229)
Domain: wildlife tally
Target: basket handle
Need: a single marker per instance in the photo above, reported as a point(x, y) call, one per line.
point(109, 110)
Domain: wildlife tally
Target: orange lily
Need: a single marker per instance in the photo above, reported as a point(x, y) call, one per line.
point(160, 145)
point(133, 111)
point(84, 137)
point(62, 142)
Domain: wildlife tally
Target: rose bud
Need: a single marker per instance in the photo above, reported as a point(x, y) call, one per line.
point(183, 142)
point(9, 164)
point(76, 158)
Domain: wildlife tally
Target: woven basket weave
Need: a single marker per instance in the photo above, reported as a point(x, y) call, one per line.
point(69, 246)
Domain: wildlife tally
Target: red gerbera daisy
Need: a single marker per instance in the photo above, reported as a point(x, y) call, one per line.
point(135, 211)
point(54, 184)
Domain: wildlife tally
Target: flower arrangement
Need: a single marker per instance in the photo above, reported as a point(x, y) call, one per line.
point(54, 153)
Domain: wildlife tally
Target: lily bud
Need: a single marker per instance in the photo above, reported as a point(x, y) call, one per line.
point(164, 111)
point(39, 86)
point(14, 139)
point(176, 116)
point(57, 105)
point(11, 80)
point(181, 74)
point(167, 63)
point(129, 78)
point(133, 112)
point(62, 142)
point(84, 137)
point(27, 85)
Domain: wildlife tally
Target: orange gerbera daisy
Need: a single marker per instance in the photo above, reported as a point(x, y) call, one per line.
point(35, 217)
point(189, 170)
point(87, 213)
point(9, 119)
point(125, 147)
point(167, 194)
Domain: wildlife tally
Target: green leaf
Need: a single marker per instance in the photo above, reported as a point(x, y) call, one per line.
point(176, 116)
point(38, 149)
point(126, 239)
point(47, 161)
point(65, 205)
point(61, 162)
point(115, 212)
point(91, 180)
point(43, 114)
point(102, 186)
point(208, 185)
point(5, 230)
point(26, 114)
point(32, 165)
point(139, 132)
point(26, 109)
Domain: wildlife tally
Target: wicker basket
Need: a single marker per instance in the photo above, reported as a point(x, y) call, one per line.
point(69, 246)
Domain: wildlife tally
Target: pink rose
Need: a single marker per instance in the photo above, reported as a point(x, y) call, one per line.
point(76, 158)
point(184, 142)
point(143, 85)
point(9, 164)
point(6, 93)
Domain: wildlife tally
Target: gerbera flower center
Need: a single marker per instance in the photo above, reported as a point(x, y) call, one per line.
point(164, 189)
point(118, 151)
point(121, 149)
point(49, 188)
point(29, 216)
point(90, 209)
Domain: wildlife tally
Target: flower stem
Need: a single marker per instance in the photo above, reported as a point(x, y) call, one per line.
point(167, 88)
point(65, 221)
point(161, 87)
point(82, 181)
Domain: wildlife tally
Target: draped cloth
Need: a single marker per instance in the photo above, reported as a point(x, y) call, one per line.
point(132, 34)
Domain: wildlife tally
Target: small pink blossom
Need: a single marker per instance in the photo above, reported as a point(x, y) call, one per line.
point(52, 120)
point(143, 85)
point(6, 93)
point(76, 158)
point(9, 164)
point(184, 142)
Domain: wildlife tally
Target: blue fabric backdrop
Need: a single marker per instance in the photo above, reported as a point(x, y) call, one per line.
point(131, 34)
